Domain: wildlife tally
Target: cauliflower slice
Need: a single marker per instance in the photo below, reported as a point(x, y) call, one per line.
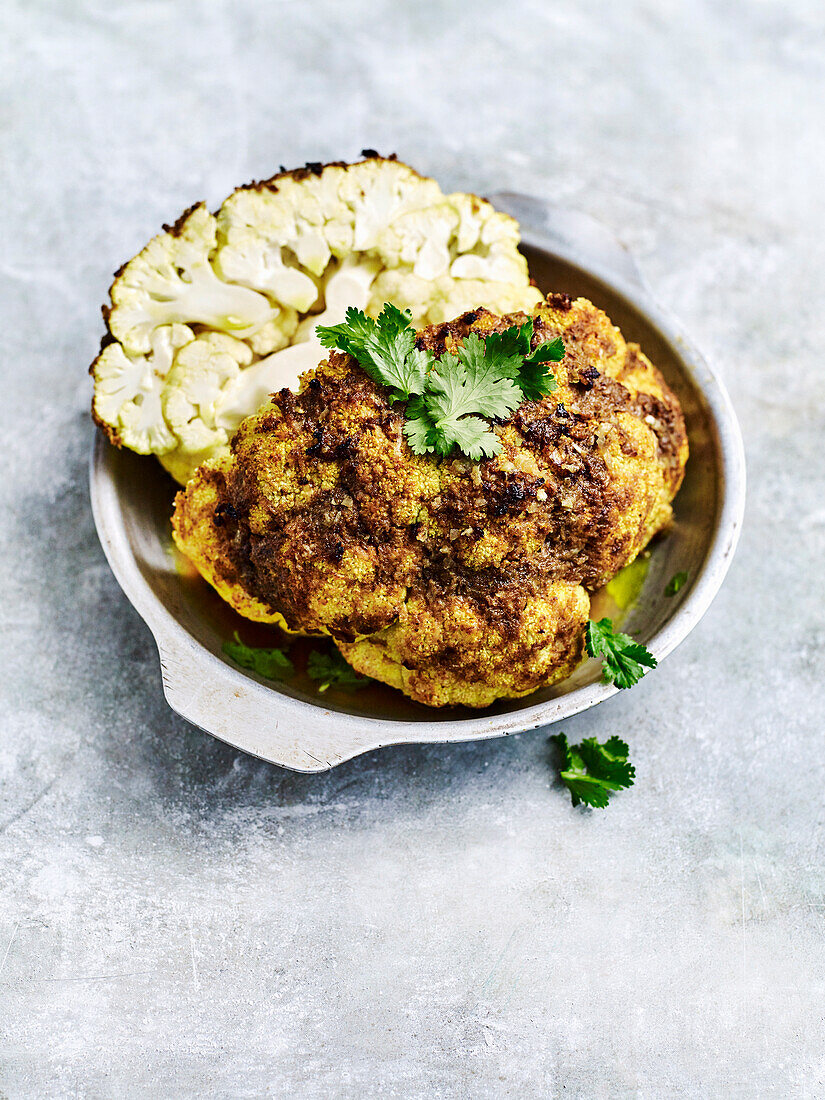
point(219, 311)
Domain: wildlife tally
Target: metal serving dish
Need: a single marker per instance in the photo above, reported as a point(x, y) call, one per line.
point(290, 724)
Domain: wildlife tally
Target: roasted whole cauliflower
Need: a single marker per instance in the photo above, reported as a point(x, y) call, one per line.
point(219, 310)
point(457, 582)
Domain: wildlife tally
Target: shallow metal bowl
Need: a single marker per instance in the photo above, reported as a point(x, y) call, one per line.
point(290, 724)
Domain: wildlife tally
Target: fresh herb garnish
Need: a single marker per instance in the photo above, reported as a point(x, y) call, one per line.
point(675, 583)
point(450, 400)
point(533, 377)
point(384, 348)
point(272, 664)
point(331, 668)
point(591, 772)
point(622, 658)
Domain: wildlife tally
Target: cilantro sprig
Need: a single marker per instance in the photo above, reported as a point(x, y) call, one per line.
point(331, 669)
point(384, 348)
point(592, 771)
point(623, 659)
point(677, 581)
point(272, 664)
point(450, 401)
point(326, 668)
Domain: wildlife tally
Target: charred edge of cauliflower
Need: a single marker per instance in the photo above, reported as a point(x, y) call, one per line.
point(455, 581)
point(219, 310)
point(206, 522)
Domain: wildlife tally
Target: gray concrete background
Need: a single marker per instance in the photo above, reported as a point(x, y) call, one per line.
point(177, 919)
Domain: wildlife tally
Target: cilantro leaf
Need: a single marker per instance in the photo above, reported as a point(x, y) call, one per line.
point(508, 348)
point(608, 761)
point(534, 378)
point(536, 381)
point(676, 582)
point(331, 668)
point(511, 349)
point(622, 658)
point(473, 379)
point(461, 388)
point(350, 334)
point(384, 348)
point(401, 364)
point(419, 428)
point(551, 351)
point(591, 771)
point(272, 664)
point(471, 434)
point(449, 401)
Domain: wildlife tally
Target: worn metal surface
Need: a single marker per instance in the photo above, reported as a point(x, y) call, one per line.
point(179, 919)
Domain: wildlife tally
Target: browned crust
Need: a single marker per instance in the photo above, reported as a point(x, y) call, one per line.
point(315, 168)
point(176, 228)
point(663, 407)
point(562, 302)
point(109, 430)
point(325, 476)
point(228, 561)
point(526, 639)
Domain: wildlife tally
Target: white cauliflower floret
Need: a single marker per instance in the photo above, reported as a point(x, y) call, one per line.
point(220, 311)
point(212, 386)
point(202, 373)
point(128, 390)
point(257, 262)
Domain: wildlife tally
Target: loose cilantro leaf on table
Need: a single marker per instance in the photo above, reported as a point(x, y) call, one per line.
point(622, 658)
point(451, 400)
point(591, 771)
point(676, 582)
point(272, 664)
point(331, 668)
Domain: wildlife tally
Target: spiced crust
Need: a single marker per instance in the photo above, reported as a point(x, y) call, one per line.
point(457, 581)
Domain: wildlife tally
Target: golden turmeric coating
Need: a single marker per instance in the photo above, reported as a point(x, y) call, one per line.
point(454, 581)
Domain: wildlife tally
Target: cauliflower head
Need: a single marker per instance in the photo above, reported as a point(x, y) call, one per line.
point(457, 582)
point(220, 310)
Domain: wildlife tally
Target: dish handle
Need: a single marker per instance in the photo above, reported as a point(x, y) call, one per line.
point(207, 692)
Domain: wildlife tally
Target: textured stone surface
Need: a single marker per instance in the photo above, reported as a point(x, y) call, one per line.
point(179, 920)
